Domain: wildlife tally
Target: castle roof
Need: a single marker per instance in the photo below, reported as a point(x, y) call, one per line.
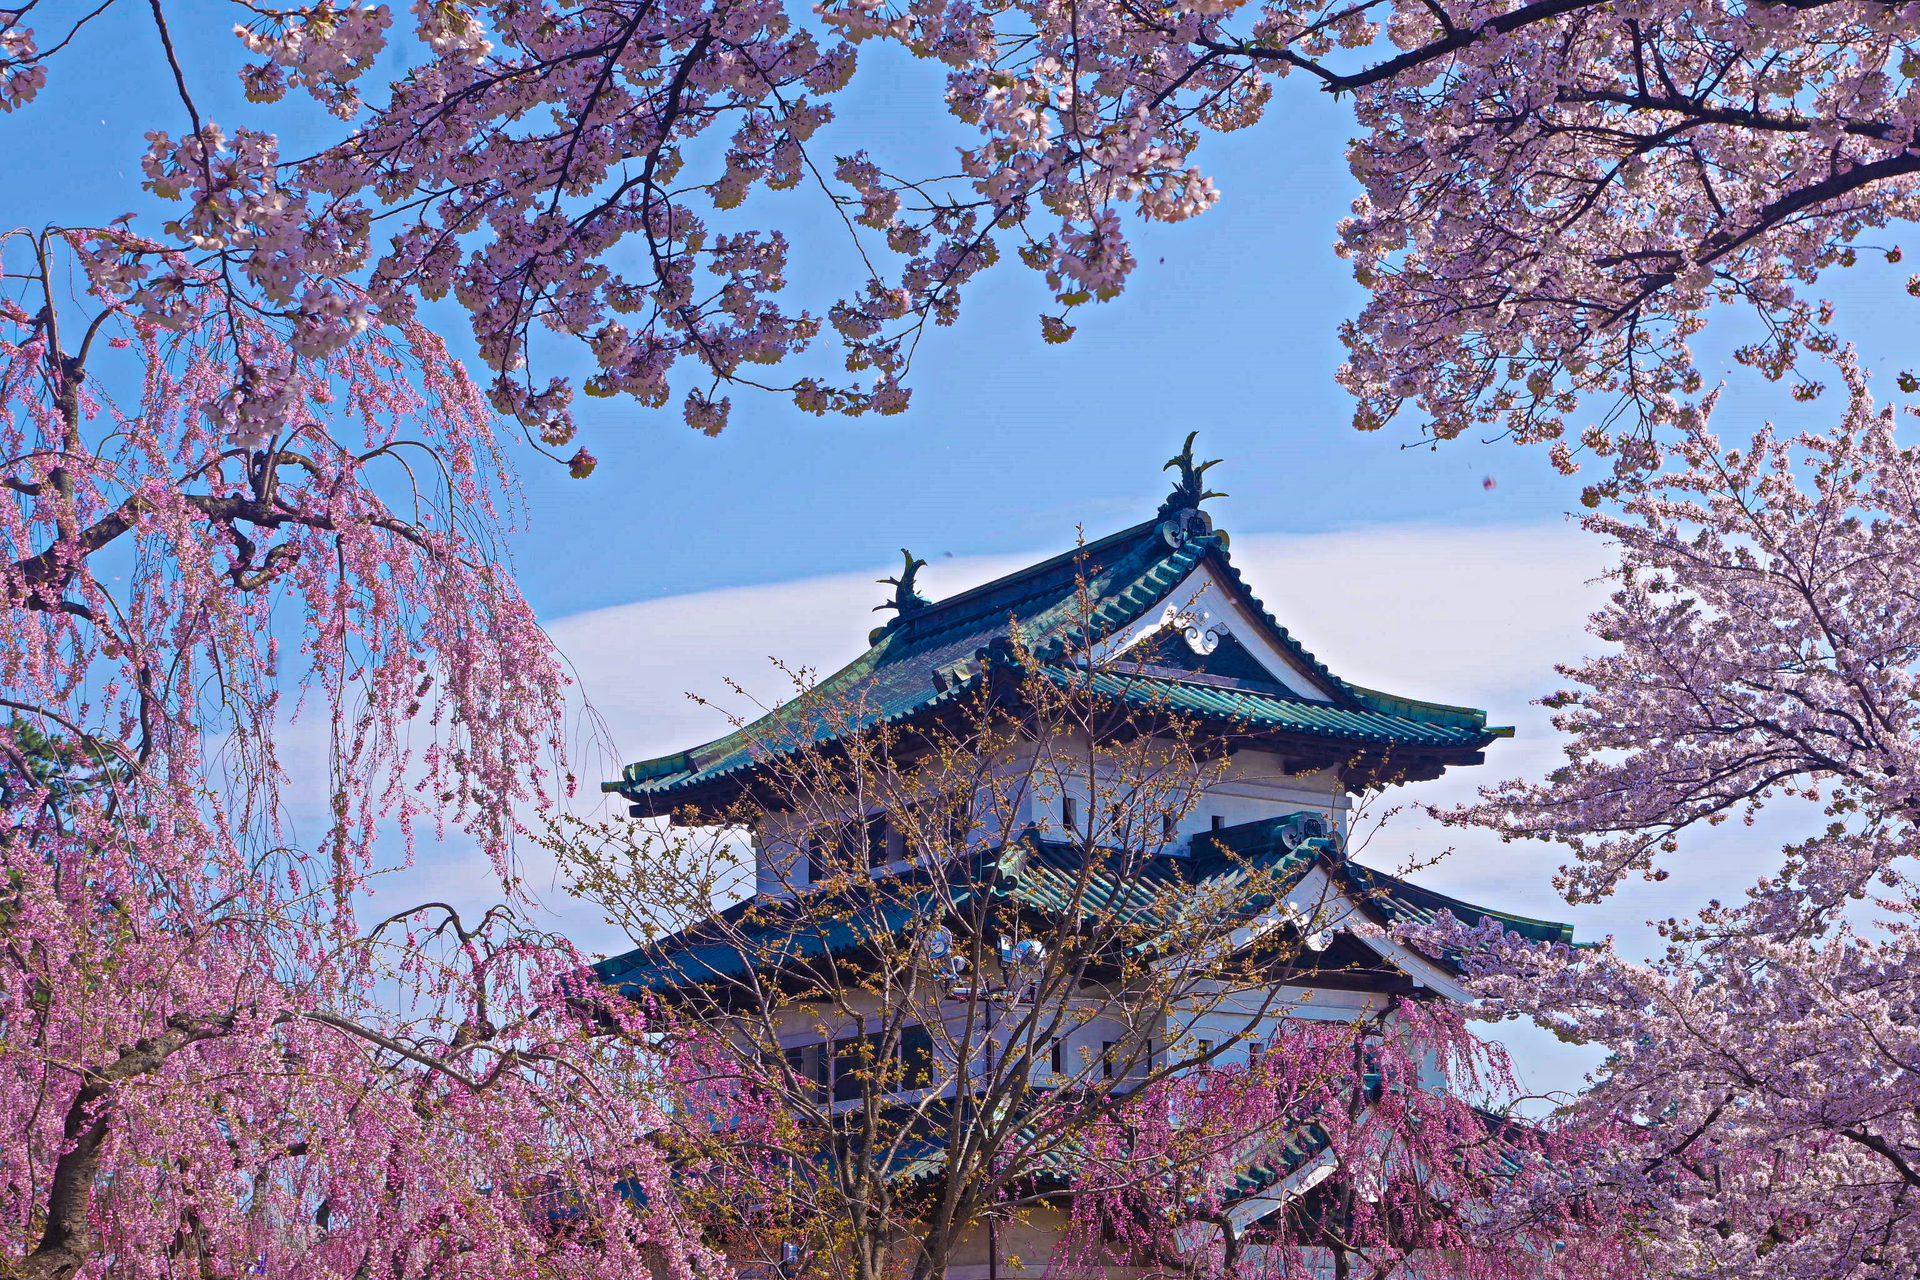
point(1254, 677)
point(1047, 877)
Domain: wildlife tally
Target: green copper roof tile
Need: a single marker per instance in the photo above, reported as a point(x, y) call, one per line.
point(1044, 876)
point(1127, 574)
point(1259, 709)
point(1401, 900)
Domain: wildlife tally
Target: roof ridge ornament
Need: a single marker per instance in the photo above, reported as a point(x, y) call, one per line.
point(1182, 521)
point(906, 597)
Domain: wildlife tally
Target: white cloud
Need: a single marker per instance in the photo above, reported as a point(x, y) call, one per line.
point(1464, 615)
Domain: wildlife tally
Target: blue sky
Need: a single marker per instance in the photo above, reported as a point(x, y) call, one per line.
point(685, 560)
point(1228, 327)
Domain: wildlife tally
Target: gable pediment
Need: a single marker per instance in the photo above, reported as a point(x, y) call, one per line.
point(1209, 628)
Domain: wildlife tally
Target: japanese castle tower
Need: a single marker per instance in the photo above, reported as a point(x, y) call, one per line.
point(1177, 634)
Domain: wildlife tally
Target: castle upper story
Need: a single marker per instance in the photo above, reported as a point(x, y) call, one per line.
point(1156, 616)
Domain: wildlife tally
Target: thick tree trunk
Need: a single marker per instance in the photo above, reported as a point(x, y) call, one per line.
point(69, 1238)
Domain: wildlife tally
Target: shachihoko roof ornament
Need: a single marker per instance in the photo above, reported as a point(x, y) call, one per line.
point(1190, 490)
point(1181, 516)
point(906, 597)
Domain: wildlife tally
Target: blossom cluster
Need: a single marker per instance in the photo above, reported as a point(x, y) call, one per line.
point(208, 1052)
point(1761, 643)
point(322, 50)
point(21, 79)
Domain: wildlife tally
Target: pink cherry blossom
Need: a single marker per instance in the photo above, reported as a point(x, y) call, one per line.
point(215, 1056)
point(1554, 196)
point(1764, 1069)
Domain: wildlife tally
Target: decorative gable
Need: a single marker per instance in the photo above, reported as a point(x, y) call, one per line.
point(1168, 650)
point(1206, 615)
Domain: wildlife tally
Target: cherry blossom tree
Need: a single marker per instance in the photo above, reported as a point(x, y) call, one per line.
point(1762, 643)
point(212, 1062)
point(1553, 193)
point(1400, 1174)
point(1553, 196)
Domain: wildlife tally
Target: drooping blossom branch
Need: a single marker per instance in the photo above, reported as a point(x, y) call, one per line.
point(1343, 1149)
point(210, 1061)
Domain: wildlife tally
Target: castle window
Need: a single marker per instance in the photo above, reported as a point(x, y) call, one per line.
point(848, 838)
point(809, 1063)
point(1219, 822)
point(851, 1059)
point(916, 1058)
point(840, 1070)
point(1167, 825)
point(960, 823)
point(1057, 1056)
point(1070, 814)
point(919, 820)
point(936, 825)
point(857, 842)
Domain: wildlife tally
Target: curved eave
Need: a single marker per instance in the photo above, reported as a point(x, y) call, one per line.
point(1284, 724)
point(1395, 901)
point(701, 788)
point(1242, 709)
point(1044, 876)
point(1354, 716)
